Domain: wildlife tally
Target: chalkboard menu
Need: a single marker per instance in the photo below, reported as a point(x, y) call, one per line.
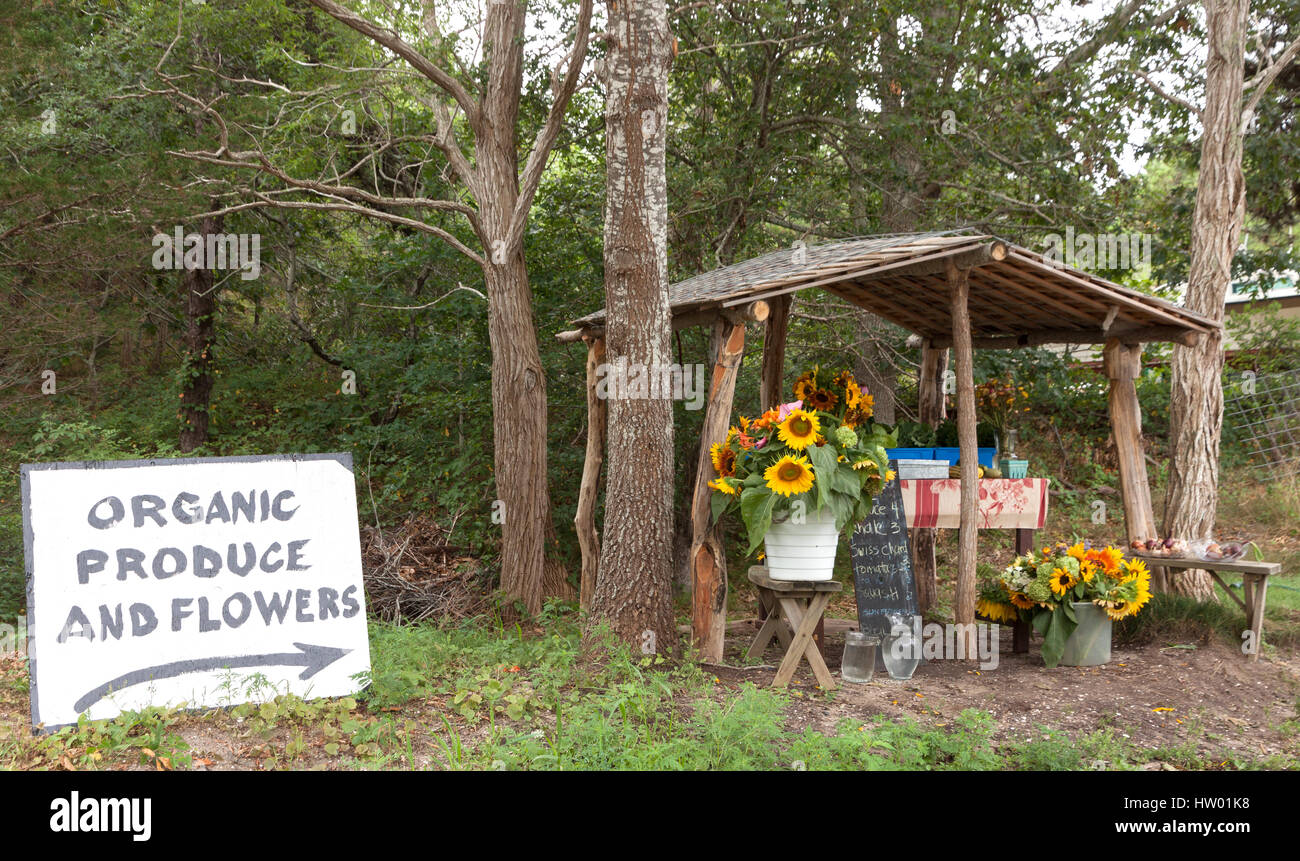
point(882, 563)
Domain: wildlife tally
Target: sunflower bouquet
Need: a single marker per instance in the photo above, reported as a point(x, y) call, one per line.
point(1042, 588)
point(820, 451)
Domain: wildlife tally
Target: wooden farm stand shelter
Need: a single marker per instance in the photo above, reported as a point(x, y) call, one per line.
point(958, 290)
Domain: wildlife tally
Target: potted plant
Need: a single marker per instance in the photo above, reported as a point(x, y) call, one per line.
point(801, 473)
point(1070, 594)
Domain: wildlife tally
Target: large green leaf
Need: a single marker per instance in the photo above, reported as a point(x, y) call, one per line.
point(756, 505)
point(1060, 627)
point(823, 461)
point(718, 504)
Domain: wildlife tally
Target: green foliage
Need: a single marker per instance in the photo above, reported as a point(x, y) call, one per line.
point(150, 732)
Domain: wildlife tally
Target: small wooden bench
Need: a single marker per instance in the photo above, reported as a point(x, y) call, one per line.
point(794, 609)
point(1254, 585)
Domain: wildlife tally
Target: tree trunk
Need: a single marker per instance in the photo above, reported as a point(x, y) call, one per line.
point(1196, 399)
point(633, 593)
point(930, 411)
point(200, 333)
point(963, 602)
point(518, 431)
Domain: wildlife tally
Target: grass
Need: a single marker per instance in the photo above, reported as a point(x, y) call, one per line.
point(486, 698)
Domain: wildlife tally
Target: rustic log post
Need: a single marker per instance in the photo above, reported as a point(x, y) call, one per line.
point(778, 323)
point(934, 365)
point(1123, 364)
point(964, 599)
point(708, 559)
point(584, 521)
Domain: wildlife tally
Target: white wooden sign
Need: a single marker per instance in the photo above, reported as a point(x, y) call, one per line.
point(202, 581)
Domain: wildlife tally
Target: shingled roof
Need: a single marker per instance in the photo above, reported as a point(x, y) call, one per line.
point(1017, 298)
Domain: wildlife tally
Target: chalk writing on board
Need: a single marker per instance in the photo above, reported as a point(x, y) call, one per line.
point(882, 563)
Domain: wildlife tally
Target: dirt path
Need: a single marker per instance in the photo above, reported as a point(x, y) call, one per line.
point(1158, 696)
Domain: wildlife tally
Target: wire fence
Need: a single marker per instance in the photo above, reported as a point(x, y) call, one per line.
point(1265, 414)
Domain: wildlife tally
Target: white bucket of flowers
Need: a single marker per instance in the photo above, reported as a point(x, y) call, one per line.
point(801, 473)
point(802, 547)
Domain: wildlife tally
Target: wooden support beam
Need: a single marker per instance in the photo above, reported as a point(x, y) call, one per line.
point(774, 353)
point(964, 599)
point(930, 410)
point(708, 559)
point(584, 521)
point(755, 311)
point(1123, 364)
point(1126, 333)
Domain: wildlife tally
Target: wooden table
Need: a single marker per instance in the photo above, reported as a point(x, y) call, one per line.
point(793, 611)
point(1254, 583)
point(1019, 504)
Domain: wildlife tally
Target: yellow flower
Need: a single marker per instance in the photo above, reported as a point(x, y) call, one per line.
point(1087, 570)
point(821, 399)
point(799, 430)
point(1118, 609)
point(1136, 569)
point(889, 476)
point(789, 475)
point(724, 459)
point(805, 385)
point(723, 485)
point(1077, 551)
point(995, 610)
point(1062, 581)
point(1022, 601)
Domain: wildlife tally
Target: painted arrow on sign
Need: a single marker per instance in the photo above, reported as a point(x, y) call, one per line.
point(313, 658)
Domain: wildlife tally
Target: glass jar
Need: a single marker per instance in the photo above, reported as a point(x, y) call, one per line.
point(901, 653)
point(858, 664)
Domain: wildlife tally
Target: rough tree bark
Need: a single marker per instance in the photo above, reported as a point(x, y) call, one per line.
point(634, 586)
point(1196, 398)
point(200, 334)
point(503, 194)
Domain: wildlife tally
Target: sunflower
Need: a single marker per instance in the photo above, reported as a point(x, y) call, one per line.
point(866, 463)
point(1110, 558)
point(854, 416)
point(805, 385)
point(724, 486)
point(867, 405)
point(1077, 552)
point(1143, 595)
point(821, 399)
point(724, 459)
point(789, 475)
point(1136, 569)
point(799, 430)
point(1118, 609)
point(1087, 570)
point(1062, 581)
point(995, 610)
point(1020, 600)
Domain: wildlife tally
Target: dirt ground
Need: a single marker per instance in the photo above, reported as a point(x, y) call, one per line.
point(1208, 697)
point(1157, 695)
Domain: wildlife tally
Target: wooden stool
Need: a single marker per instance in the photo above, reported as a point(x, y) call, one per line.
point(793, 611)
point(1254, 583)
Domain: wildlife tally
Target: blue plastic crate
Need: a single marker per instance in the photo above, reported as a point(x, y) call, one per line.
point(953, 456)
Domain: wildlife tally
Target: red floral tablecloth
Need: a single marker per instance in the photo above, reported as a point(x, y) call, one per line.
point(1004, 503)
